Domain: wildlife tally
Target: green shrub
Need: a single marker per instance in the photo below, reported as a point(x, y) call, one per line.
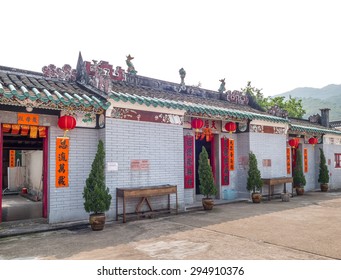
point(97, 198)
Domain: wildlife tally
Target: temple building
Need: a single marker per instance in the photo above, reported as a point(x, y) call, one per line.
point(153, 132)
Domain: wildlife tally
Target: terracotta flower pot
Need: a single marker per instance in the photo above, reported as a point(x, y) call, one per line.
point(299, 190)
point(324, 187)
point(207, 203)
point(256, 197)
point(97, 221)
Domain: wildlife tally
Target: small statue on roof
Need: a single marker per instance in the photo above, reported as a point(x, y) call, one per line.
point(182, 73)
point(222, 85)
point(131, 68)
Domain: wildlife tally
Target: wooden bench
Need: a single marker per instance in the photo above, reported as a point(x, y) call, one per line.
point(144, 193)
point(271, 182)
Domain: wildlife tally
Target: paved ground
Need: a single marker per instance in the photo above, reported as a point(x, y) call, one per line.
point(308, 227)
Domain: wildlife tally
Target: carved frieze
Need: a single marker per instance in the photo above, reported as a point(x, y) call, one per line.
point(237, 97)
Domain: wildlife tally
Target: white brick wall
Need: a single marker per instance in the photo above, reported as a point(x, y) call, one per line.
point(66, 204)
point(160, 144)
point(273, 147)
point(335, 178)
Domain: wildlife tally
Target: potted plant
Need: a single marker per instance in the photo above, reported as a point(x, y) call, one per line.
point(206, 180)
point(254, 180)
point(97, 198)
point(298, 176)
point(323, 173)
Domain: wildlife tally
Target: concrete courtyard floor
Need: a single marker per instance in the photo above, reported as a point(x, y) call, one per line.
point(306, 228)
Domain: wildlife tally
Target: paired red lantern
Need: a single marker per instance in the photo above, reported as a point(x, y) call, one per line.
point(197, 124)
point(67, 123)
point(312, 141)
point(294, 142)
point(230, 127)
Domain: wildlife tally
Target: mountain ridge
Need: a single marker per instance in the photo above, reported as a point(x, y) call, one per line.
point(314, 99)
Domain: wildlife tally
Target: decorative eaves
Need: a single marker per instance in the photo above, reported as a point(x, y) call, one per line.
point(193, 109)
point(312, 130)
point(23, 89)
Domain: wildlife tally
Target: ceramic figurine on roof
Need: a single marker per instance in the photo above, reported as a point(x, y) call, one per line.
point(131, 68)
point(182, 73)
point(222, 85)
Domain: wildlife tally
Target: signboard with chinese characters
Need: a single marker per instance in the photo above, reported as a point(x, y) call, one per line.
point(305, 159)
point(225, 172)
point(30, 119)
point(288, 161)
point(12, 158)
point(213, 125)
point(139, 164)
point(189, 161)
point(62, 162)
point(231, 154)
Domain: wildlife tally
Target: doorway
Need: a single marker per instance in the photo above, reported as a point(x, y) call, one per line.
point(23, 182)
point(209, 146)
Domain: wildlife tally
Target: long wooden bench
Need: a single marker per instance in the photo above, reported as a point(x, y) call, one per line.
point(271, 182)
point(144, 193)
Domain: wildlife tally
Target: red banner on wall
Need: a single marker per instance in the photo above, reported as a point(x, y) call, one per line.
point(62, 162)
point(288, 161)
point(225, 172)
point(305, 159)
point(231, 153)
point(189, 161)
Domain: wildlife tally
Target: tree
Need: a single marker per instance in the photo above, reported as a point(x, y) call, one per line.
point(298, 176)
point(254, 179)
point(97, 198)
point(323, 173)
point(206, 179)
point(293, 105)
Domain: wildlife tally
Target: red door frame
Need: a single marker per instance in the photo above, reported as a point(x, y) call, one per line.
point(1, 160)
point(45, 171)
point(212, 159)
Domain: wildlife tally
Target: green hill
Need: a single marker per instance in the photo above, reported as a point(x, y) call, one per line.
point(314, 99)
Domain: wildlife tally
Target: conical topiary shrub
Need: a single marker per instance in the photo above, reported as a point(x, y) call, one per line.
point(97, 198)
point(206, 180)
point(323, 172)
point(254, 180)
point(298, 176)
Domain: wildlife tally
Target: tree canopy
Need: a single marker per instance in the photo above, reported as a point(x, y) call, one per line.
point(292, 105)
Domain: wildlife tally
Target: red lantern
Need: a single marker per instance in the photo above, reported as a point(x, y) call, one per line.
point(67, 123)
point(294, 142)
point(230, 127)
point(312, 141)
point(197, 124)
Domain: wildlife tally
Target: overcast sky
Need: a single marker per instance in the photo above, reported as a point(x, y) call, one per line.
point(277, 45)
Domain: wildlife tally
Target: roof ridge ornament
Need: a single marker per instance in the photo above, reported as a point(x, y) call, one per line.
point(131, 68)
point(277, 111)
point(182, 73)
point(222, 86)
point(66, 73)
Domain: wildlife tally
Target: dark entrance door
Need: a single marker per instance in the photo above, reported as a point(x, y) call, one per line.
point(198, 148)
point(17, 206)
